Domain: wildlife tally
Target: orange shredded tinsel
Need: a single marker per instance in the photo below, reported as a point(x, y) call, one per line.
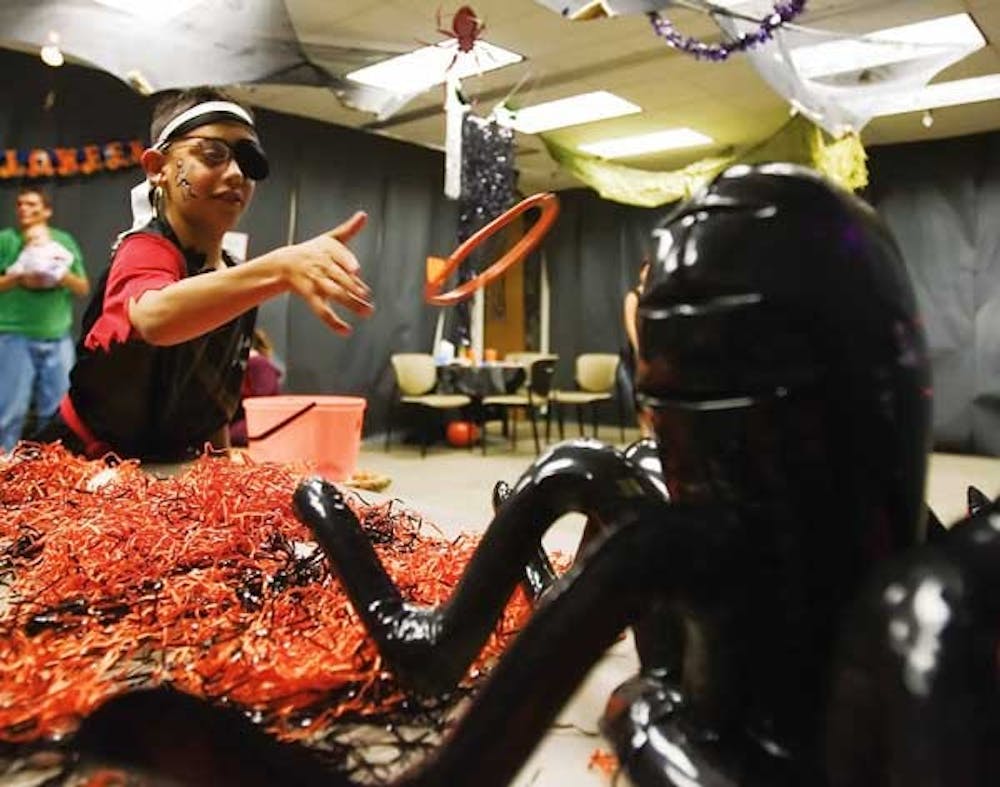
point(604, 761)
point(113, 579)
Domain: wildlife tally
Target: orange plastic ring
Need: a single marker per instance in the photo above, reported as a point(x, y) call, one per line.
point(549, 204)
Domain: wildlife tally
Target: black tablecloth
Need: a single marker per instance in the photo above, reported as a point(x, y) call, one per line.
point(480, 381)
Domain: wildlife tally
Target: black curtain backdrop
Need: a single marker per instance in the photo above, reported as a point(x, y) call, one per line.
point(942, 201)
point(940, 198)
point(593, 255)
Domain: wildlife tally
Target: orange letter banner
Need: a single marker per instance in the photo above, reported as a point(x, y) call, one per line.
point(65, 162)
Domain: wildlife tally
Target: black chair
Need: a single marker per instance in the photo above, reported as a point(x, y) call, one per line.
point(536, 394)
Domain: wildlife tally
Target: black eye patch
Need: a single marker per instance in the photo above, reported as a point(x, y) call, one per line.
point(251, 158)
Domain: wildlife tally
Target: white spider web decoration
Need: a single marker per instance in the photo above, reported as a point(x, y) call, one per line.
point(841, 81)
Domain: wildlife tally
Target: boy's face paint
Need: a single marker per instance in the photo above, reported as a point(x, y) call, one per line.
point(201, 186)
point(183, 183)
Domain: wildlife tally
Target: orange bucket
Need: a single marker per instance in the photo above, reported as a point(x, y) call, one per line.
point(322, 430)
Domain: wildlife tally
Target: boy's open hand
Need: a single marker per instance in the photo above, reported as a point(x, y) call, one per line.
point(323, 269)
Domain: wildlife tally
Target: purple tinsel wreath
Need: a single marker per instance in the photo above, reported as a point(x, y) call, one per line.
point(782, 13)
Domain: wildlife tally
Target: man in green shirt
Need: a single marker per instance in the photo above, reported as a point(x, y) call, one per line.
point(41, 268)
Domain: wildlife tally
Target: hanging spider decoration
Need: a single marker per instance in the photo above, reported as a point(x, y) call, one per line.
point(794, 627)
point(465, 30)
point(783, 13)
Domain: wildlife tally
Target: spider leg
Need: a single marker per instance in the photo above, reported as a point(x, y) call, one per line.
point(539, 575)
point(485, 53)
point(429, 648)
point(659, 554)
point(165, 732)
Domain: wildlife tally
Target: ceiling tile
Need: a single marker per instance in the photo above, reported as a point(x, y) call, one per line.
point(728, 101)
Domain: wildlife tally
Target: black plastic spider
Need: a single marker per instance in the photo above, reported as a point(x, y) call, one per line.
point(793, 628)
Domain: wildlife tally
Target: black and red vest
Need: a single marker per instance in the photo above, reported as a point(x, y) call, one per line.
point(160, 403)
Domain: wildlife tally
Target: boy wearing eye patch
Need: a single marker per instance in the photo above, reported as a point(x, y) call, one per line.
point(165, 339)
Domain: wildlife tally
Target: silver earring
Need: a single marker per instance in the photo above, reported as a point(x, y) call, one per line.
point(157, 200)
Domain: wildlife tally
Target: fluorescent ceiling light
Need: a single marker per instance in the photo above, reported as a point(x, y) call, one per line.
point(570, 111)
point(882, 47)
point(423, 68)
point(943, 94)
point(671, 139)
point(151, 10)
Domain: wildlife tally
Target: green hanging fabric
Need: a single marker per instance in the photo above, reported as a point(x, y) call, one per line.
point(799, 141)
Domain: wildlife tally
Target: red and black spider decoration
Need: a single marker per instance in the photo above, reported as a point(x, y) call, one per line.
point(466, 29)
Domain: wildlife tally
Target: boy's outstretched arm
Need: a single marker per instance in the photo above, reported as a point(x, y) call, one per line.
point(319, 270)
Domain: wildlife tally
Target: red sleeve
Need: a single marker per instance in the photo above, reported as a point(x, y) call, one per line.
point(142, 263)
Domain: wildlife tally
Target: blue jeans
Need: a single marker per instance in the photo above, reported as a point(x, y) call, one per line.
point(31, 368)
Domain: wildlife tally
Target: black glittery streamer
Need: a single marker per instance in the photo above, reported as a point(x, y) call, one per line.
point(488, 189)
